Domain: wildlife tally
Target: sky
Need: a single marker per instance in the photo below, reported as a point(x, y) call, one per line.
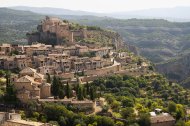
point(98, 5)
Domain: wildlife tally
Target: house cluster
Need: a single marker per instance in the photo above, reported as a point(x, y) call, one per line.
point(73, 63)
point(31, 86)
point(58, 59)
point(14, 119)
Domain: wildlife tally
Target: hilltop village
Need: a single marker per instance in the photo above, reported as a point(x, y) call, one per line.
point(66, 65)
point(75, 64)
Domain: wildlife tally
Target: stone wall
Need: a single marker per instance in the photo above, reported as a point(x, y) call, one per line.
point(94, 74)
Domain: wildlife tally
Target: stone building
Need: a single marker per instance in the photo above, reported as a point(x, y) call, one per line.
point(55, 31)
point(5, 48)
point(158, 118)
point(31, 85)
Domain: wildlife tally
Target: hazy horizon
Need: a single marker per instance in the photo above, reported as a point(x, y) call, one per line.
point(98, 6)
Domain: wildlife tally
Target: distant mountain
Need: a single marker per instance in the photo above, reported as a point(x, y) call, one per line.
point(54, 11)
point(171, 14)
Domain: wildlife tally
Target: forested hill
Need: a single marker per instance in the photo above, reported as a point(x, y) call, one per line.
point(8, 15)
point(14, 24)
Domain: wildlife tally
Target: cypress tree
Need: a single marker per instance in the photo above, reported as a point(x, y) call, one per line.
point(92, 93)
point(61, 91)
point(7, 76)
point(80, 93)
point(68, 90)
point(55, 86)
point(87, 88)
point(84, 93)
point(10, 96)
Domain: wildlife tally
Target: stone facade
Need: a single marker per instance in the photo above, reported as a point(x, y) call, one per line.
point(31, 85)
point(162, 120)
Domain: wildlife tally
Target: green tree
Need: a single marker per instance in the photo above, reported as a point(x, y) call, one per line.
point(2, 73)
point(92, 93)
point(55, 86)
point(87, 88)
point(36, 115)
point(187, 123)
point(7, 76)
point(63, 121)
point(106, 121)
point(127, 102)
point(119, 123)
point(180, 123)
point(68, 90)
point(144, 120)
point(80, 93)
point(84, 92)
point(180, 111)
point(172, 107)
point(127, 112)
point(105, 108)
point(61, 91)
point(10, 95)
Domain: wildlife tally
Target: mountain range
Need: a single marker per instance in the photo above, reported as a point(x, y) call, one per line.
point(171, 14)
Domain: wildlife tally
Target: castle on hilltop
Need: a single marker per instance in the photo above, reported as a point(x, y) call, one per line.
point(56, 31)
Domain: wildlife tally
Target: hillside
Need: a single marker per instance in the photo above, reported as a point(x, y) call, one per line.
point(177, 69)
point(15, 24)
point(158, 40)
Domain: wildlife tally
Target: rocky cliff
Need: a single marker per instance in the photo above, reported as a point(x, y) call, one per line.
point(176, 70)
